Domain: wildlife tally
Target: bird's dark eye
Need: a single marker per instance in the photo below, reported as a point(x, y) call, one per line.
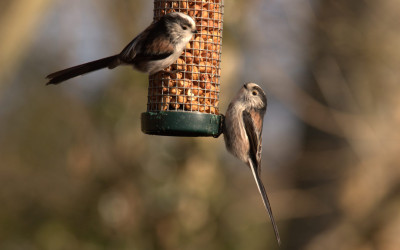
point(254, 92)
point(184, 27)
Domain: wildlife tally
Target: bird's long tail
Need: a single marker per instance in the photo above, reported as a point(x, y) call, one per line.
point(264, 196)
point(65, 74)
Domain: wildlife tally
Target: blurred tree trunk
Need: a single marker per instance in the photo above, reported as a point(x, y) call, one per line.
point(18, 26)
point(354, 70)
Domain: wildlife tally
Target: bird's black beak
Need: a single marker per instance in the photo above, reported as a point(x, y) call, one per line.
point(245, 86)
point(195, 32)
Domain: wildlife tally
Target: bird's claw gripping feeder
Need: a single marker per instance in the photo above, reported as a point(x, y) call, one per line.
point(183, 99)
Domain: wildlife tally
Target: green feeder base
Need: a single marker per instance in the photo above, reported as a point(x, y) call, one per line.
point(175, 123)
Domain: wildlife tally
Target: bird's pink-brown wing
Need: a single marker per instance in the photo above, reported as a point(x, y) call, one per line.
point(253, 123)
point(152, 44)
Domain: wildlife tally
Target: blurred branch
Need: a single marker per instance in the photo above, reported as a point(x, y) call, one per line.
point(18, 26)
point(315, 113)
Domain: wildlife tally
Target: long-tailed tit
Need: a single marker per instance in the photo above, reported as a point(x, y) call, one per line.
point(243, 134)
point(151, 51)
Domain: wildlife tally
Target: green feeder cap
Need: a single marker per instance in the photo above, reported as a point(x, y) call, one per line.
point(180, 123)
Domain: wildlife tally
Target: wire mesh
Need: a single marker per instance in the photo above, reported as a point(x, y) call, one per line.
point(192, 83)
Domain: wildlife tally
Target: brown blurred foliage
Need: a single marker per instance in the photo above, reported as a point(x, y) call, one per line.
point(77, 173)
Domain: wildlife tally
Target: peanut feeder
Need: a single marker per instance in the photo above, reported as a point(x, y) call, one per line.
point(183, 99)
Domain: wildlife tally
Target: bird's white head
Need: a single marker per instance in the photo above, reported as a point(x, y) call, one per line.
point(252, 96)
point(180, 26)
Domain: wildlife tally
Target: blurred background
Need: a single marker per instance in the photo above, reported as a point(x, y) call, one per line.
point(76, 172)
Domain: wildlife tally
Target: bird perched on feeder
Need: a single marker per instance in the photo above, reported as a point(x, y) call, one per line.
point(243, 134)
point(153, 50)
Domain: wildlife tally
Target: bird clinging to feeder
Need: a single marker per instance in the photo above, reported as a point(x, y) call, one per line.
point(242, 130)
point(153, 50)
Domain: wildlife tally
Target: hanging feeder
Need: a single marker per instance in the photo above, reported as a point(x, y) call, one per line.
point(183, 99)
